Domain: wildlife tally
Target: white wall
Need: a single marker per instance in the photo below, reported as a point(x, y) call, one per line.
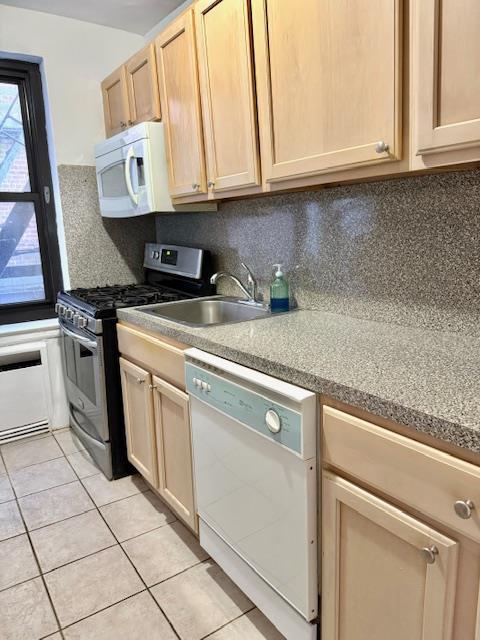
point(76, 57)
point(160, 26)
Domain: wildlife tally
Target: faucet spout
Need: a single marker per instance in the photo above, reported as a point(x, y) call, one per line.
point(225, 274)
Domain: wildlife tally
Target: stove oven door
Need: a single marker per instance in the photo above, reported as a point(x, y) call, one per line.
point(85, 381)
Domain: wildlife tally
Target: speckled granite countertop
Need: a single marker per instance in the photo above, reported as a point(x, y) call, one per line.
point(427, 380)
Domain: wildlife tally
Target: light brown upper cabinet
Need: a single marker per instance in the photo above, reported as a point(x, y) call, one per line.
point(180, 98)
point(227, 92)
point(142, 86)
point(329, 76)
point(446, 80)
point(115, 102)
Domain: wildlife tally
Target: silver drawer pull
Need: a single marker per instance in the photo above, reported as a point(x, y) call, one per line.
point(152, 386)
point(464, 508)
point(140, 381)
point(429, 554)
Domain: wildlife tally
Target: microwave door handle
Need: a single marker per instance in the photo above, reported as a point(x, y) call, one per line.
point(128, 175)
point(87, 343)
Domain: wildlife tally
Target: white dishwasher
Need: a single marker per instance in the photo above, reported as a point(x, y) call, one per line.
point(254, 451)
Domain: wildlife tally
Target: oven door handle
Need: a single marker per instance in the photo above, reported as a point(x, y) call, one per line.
point(91, 344)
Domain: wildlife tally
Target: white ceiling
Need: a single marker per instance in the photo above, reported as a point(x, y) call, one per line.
point(137, 16)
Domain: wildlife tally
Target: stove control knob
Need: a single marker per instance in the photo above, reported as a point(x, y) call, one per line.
point(82, 322)
point(69, 314)
point(273, 421)
point(156, 255)
point(75, 319)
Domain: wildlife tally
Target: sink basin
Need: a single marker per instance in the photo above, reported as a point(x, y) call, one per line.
point(203, 312)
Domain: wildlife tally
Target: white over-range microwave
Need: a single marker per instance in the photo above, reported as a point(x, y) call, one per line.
point(132, 174)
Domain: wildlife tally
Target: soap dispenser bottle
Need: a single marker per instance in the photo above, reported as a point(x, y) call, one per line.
point(279, 297)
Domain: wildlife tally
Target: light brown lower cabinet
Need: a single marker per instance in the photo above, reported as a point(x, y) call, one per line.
point(139, 420)
point(174, 449)
point(400, 536)
point(157, 424)
point(385, 574)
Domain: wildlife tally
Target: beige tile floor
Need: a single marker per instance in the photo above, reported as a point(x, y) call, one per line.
point(82, 558)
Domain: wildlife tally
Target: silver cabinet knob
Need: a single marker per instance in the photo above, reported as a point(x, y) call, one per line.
point(381, 147)
point(195, 186)
point(273, 421)
point(211, 184)
point(464, 508)
point(429, 554)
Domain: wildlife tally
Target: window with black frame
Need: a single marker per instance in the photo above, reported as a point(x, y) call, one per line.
point(30, 273)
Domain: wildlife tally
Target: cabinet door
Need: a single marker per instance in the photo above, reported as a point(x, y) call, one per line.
point(446, 70)
point(172, 423)
point(115, 102)
point(142, 86)
point(328, 84)
point(180, 99)
point(226, 87)
point(139, 423)
point(385, 574)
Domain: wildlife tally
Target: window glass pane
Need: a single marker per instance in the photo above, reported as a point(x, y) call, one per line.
point(21, 278)
point(13, 158)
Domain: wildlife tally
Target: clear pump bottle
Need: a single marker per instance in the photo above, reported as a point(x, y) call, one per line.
point(279, 294)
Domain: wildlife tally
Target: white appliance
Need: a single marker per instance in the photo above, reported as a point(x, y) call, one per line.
point(132, 174)
point(254, 450)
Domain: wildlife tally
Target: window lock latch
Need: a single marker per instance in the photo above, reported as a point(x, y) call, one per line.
point(46, 194)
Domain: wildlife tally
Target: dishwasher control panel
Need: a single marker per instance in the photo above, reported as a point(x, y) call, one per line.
point(271, 419)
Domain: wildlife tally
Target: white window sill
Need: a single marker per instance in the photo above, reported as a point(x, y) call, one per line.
point(27, 327)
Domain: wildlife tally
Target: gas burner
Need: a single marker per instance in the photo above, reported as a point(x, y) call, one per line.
point(120, 296)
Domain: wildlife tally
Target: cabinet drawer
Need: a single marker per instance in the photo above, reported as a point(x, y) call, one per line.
point(161, 358)
point(427, 480)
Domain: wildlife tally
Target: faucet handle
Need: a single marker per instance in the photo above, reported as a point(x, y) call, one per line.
point(252, 283)
point(249, 273)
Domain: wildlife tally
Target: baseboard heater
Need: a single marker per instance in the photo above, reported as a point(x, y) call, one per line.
point(23, 406)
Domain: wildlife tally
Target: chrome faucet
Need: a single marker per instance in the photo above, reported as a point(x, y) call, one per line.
point(250, 291)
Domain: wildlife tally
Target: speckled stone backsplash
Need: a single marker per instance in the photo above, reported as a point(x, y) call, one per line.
point(404, 251)
point(99, 250)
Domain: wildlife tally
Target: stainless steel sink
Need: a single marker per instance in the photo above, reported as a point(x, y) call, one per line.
point(202, 312)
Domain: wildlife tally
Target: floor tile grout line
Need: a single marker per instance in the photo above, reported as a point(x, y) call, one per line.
point(88, 555)
point(175, 575)
point(27, 466)
point(117, 543)
point(139, 535)
point(209, 635)
point(91, 615)
point(44, 526)
point(17, 584)
point(139, 576)
point(76, 472)
point(34, 493)
point(39, 567)
point(99, 506)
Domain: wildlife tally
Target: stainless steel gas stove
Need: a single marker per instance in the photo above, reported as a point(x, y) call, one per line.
point(88, 320)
